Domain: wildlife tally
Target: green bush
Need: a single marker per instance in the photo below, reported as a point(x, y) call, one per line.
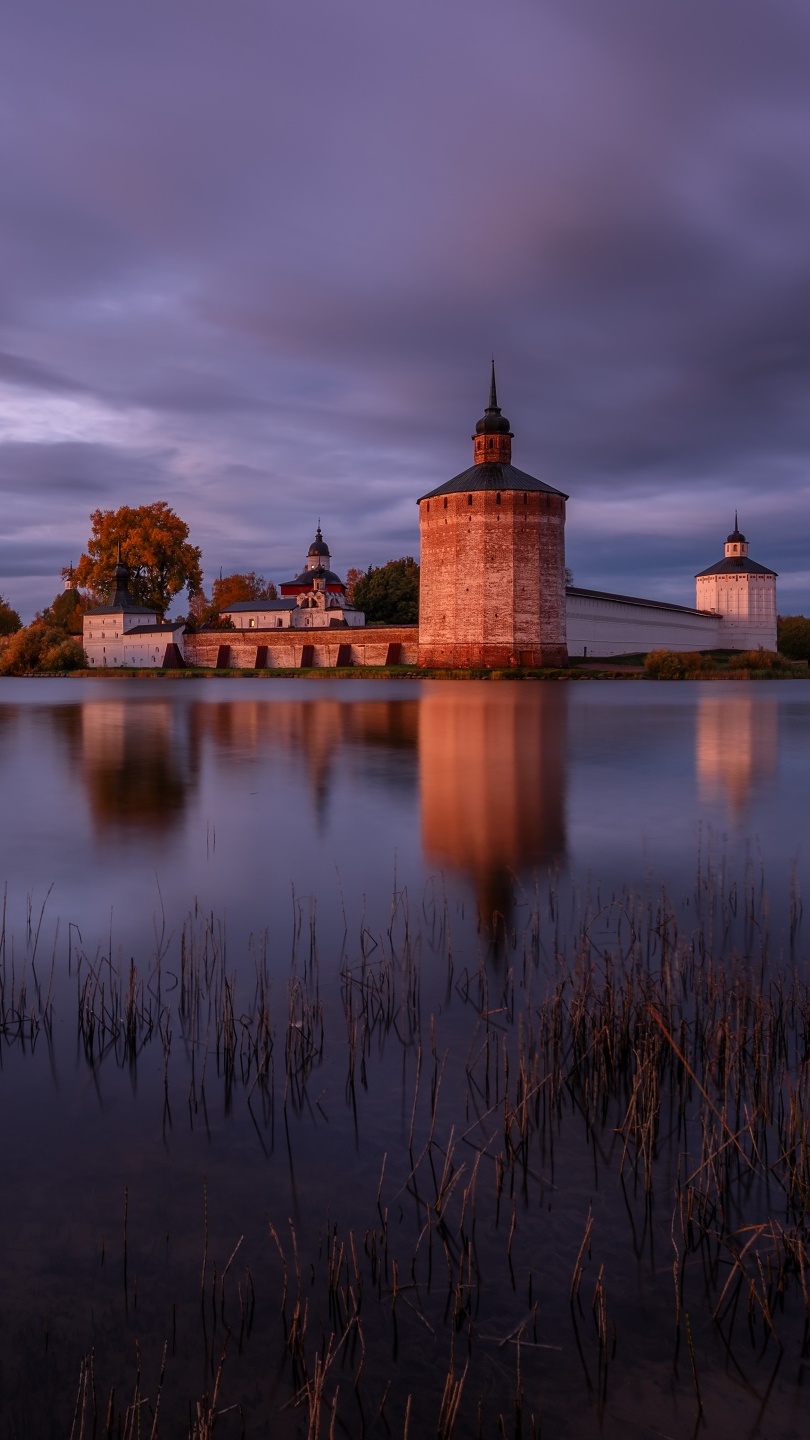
point(389, 594)
point(674, 664)
point(793, 636)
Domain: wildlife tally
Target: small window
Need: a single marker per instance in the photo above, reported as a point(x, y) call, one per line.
point(427, 507)
point(251, 624)
point(498, 498)
point(469, 499)
point(492, 444)
point(525, 498)
point(445, 502)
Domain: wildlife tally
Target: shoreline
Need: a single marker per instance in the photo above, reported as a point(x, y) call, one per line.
point(587, 672)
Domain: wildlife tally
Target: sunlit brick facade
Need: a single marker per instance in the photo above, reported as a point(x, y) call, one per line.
point(492, 583)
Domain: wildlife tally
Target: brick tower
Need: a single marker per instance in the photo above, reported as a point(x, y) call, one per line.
point(492, 587)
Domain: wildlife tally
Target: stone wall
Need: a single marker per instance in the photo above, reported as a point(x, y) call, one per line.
point(295, 650)
point(492, 589)
point(601, 624)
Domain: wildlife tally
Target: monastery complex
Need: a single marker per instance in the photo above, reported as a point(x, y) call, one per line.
point(493, 595)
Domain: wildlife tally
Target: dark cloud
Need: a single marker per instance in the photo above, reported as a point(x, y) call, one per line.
point(256, 258)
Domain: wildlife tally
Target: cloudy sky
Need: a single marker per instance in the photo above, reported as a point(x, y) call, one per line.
point(255, 256)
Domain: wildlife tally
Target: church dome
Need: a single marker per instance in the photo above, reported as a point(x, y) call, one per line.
point(736, 537)
point(492, 422)
point(319, 545)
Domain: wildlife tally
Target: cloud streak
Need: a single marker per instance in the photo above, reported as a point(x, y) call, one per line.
point(256, 260)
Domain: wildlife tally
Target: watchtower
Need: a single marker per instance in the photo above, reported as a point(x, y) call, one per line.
point(492, 568)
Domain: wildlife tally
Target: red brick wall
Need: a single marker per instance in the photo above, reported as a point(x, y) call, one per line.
point(492, 589)
point(367, 646)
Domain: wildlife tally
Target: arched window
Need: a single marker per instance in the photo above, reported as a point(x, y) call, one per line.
point(498, 498)
point(469, 499)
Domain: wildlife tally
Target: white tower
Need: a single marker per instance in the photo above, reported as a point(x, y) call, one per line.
point(743, 593)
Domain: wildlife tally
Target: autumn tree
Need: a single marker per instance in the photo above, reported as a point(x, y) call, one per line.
point(41, 648)
point(9, 619)
point(229, 589)
point(390, 593)
point(352, 577)
point(66, 611)
point(154, 544)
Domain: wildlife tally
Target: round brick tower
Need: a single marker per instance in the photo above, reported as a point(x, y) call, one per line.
point(492, 577)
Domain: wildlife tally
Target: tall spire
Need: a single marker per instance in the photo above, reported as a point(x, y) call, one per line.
point(493, 394)
point(493, 437)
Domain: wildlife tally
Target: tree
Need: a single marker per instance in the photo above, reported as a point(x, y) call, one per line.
point(41, 647)
point(793, 636)
point(154, 544)
point(229, 589)
point(9, 619)
point(67, 611)
point(352, 577)
point(390, 593)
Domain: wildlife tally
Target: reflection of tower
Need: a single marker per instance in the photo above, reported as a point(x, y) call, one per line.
point(736, 744)
point(137, 761)
point(492, 782)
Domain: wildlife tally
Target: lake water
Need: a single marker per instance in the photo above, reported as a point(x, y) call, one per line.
point(278, 969)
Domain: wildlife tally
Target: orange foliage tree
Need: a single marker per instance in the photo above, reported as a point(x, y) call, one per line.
point(228, 589)
point(154, 544)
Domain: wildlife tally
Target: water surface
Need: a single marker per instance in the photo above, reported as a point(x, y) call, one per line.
point(308, 928)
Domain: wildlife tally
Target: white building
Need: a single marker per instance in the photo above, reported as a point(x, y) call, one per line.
point(314, 600)
point(743, 593)
point(123, 634)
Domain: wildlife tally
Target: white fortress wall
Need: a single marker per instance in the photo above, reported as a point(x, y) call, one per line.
point(600, 624)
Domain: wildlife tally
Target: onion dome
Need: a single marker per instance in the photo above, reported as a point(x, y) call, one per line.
point(319, 545)
point(492, 422)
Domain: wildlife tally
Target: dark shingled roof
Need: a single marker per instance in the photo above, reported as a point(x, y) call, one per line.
point(244, 605)
point(736, 565)
point(122, 600)
point(318, 572)
point(491, 476)
point(167, 628)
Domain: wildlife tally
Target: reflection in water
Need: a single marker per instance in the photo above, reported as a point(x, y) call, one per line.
point(737, 744)
point(492, 782)
point(491, 765)
point(316, 731)
point(138, 761)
